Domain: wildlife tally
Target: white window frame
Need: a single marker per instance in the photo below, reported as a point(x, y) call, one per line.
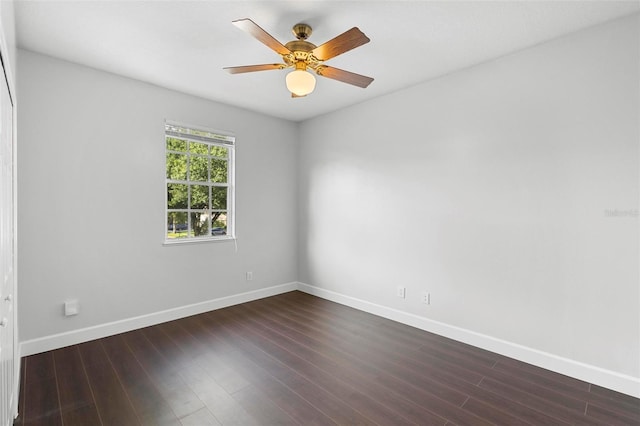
point(215, 138)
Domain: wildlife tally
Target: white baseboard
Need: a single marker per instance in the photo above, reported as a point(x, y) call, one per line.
point(609, 379)
point(61, 340)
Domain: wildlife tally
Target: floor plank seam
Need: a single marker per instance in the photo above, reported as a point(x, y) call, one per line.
point(135, 358)
point(86, 375)
point(120, 381)
point(465, 401)
point(55, 375)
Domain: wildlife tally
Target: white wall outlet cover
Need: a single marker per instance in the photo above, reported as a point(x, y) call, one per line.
point(71, 307)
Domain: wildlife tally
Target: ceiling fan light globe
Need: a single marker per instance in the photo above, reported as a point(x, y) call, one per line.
point(300, 82)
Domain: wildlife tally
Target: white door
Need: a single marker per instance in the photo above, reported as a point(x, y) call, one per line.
point(7, 286)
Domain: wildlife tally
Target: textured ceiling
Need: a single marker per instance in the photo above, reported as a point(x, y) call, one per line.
point(183, 45)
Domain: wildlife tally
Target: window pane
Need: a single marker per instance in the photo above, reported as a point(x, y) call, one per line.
point(219, 151)
point(177, 226)
point(219, 197)
point(176, 196)
point(174, 144)
point(199, 197)
point(218, 171)
point(200, 224)
point(176, 166)
point(198, 169)
point(199, 148)
point(219, 223)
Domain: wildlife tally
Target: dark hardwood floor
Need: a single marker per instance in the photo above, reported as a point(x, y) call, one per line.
point(295, 359)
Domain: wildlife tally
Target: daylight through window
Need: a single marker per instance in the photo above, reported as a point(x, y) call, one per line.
point(199, 184)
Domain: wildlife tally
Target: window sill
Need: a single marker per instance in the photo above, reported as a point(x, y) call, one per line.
point(181, 241)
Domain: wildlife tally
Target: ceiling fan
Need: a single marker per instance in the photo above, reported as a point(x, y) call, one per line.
point(302, 56)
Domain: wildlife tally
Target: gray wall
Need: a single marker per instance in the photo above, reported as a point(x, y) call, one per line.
point(91, 186)
point(489, 188)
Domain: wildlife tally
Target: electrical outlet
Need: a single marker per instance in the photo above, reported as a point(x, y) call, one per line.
point(249, 276)
point(426, 297)
point(401, 292)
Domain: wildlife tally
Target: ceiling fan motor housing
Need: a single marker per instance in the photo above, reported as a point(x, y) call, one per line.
point(300, 51)
point(301, 31)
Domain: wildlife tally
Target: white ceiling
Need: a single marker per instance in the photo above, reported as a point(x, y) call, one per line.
point(183, 45)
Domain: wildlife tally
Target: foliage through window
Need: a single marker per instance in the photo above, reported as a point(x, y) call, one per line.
point(199, 184)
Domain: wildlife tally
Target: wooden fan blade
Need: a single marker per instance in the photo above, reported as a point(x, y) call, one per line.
point(338, 45)
point(293, 95)
point(252, 68)
point(344, 76)
point(254, 29)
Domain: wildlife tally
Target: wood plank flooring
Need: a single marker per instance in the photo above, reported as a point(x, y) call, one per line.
point(295, 359)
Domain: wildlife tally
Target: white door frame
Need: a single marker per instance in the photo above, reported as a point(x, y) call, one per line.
point(7, 75)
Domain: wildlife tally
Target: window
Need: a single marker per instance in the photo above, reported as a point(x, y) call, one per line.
point(199, 184)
